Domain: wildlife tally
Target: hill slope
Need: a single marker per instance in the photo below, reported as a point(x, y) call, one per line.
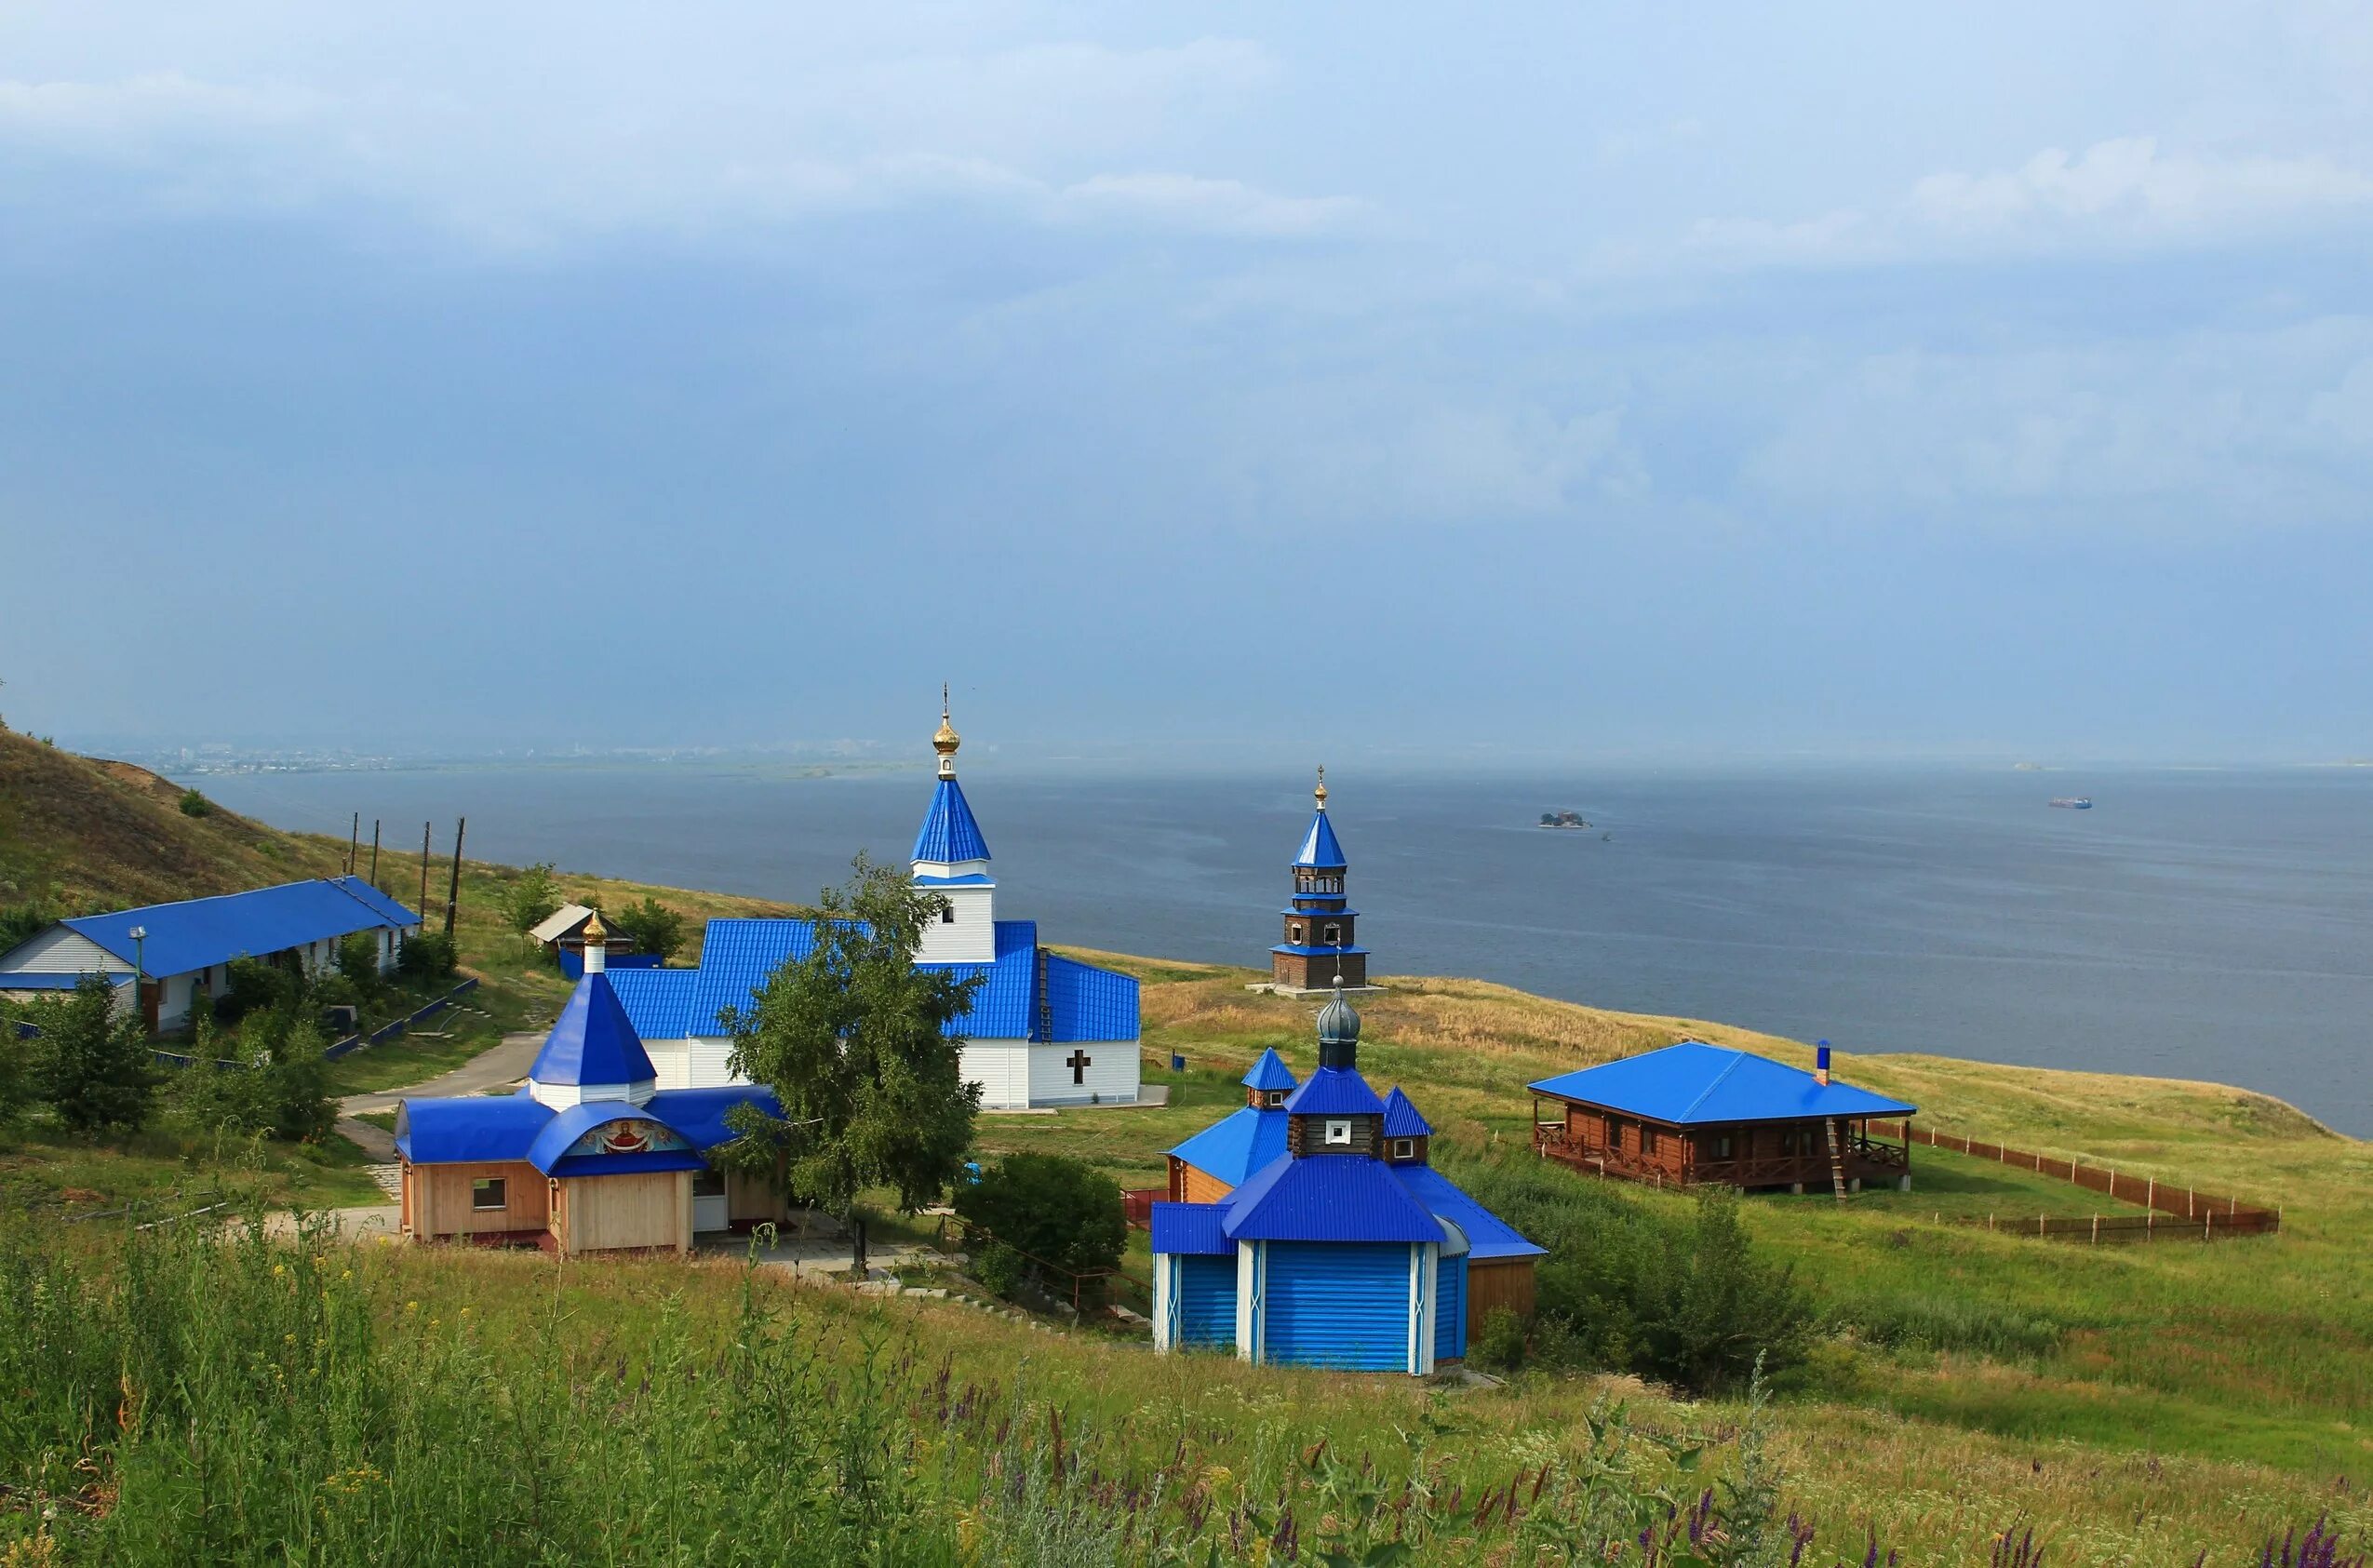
point(79, 834)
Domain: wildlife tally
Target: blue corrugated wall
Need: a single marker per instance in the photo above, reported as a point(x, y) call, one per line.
point(1450, 1309)
point(1206, 1288)
point(1338, 1305)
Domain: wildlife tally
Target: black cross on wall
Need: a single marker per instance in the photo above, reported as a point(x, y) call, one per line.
point(1079, 1064)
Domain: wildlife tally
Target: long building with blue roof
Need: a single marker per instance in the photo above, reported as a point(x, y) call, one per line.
point(590, 1154)
point(1694, 1112)
point(1310, 1229)
point(1042, 1030)
point(183, 952)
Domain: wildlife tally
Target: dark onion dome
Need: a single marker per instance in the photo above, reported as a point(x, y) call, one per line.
point(1338, 1023)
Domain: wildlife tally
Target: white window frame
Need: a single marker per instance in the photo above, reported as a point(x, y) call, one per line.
point(1404, 1148)
point(1338, 1131)
point(501, 1194)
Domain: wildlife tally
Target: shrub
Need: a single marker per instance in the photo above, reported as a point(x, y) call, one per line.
point(1001, 1268)
point(358, 960)
point(652, 926)
point(427, 954)
point(1716, 1311)
point(23, 922)
point(533, 894)
point(195, 805)
point(256, 986)
point(1500, 1346)
point(1053, 1207)
point(94, 1068)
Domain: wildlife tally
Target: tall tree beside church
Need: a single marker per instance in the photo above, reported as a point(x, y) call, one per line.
point(853, 1038)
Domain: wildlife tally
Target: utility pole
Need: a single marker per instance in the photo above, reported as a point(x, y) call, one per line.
point(354, 843)
point(424, 906)
point(453, 889)
point(374, 852)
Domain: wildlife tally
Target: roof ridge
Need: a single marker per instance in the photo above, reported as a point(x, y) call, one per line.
point(1737, 1056)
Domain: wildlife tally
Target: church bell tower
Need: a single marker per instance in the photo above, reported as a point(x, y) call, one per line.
point(1321, 950)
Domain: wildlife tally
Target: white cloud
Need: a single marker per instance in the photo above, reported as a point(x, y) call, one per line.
point(1211, 206)
point(2122, 192)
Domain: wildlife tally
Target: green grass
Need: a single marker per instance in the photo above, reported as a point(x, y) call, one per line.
point(162, 1169)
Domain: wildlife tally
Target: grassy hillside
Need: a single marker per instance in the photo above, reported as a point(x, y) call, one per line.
point(2136, 1405)
point(80, 835)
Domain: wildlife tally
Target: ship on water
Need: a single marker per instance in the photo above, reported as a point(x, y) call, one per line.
point(2074, 802)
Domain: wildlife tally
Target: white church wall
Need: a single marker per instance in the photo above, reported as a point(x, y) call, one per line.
point(671, 1059)
point(1002, 1069)
point(1109, 1075)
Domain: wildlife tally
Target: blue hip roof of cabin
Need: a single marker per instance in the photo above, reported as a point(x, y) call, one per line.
point(1693, 1084)
point(1235, 1147)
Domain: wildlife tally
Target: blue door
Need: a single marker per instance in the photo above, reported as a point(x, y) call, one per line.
point(1338, 1305)
point(1206, 1288)
point(1450, 1311)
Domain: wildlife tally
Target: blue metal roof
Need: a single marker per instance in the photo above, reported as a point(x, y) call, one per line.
point(1320, 852)
point(592, 1041)
point(1083, 1002)
point(378, 902)
point(658, 1001)
point(667, 1150)
point(468, 1129)
point(948, 832)
point(200, 932)
point(1190, 1228)
point(700, 1114)
point(969, 880)
point(1335, 1092)
point(1087, 1003)
point(1235, 1147)
point(1269, 1072)
point(1327, 1198)
point(1402, 1120)
point(1488, 1236)
point(1696, 1084)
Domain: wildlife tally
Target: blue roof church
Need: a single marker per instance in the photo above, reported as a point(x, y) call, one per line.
point(1044, 1030)
point(1343, 1247)
point(590, 1154)
point(1321, 939)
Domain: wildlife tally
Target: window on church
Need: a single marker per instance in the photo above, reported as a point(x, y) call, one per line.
point(1723, 1147)
point(1334, 935)
point(1404, 1148)
point(1339, 1131)
point(1277, 1096)
point(947, 914)
point(487, 1193)
point(1293, 934)
point(708, 1183)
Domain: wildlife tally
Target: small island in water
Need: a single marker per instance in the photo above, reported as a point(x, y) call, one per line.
point(1563, 819)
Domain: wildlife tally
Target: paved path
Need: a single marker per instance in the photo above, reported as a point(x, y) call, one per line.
point(499, 1067)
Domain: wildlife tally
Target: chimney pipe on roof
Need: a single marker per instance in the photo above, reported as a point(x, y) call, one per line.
point(1821, 1063)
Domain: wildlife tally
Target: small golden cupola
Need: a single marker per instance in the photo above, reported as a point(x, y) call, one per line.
point(595, 938)
point(946, 740)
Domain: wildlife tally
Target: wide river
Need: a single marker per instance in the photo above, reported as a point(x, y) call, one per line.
point(2211, 925)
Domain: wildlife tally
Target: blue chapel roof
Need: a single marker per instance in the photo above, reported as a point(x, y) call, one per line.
point(1320, 850)
point(1327, 1198)
point(1335, 1092)
point(1235, 1147)
point(949, 832)
point(500, 1128)
point(1402, 1118)
point(1269, 1072)
point(593, 1040)
point(468, 1127)
point(549, 1151)
point(658, 1001)
point(1083, 1002)
point(1190, 1228)
point(1488, 1236)
point(1696, 1084)
point(700, 1114)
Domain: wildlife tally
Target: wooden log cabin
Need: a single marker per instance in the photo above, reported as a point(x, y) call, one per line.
point(1694, 1113)
point(590, 1156)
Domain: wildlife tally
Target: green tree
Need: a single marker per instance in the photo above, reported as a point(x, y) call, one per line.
point(358, 960)
point(855, 1041)
point(23, 922)
point(1051, 1207)
point(652, 926)
point(533, 894)
point(1714, 1310)
point(95, 1069)
point(426, 955)
point(17, 1080)
point(195, 805)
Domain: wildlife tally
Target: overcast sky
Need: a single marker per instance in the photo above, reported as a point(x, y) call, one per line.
point(1225, 380)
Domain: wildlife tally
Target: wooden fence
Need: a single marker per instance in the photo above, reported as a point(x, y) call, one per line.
point(2188, 1212)
point(1137, 1204)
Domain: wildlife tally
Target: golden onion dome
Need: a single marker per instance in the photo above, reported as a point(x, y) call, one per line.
point(944, 739)
point(596, 933)
point(1320, 794)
